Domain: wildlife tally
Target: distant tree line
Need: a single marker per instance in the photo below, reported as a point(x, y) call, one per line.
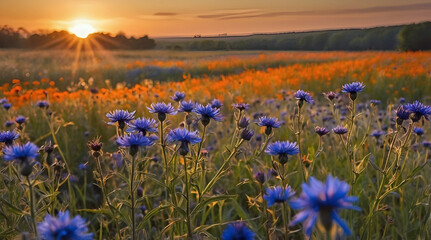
point(406, 37)
point(21, 38)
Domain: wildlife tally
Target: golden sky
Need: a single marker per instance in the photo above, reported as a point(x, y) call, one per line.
point(211, 17)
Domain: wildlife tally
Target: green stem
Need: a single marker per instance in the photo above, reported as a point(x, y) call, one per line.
point(33, 216)
point(198, 154)
point(264, 212)
point(132, 196)
point(300, 163)
point(286, 224)
point(189, 224)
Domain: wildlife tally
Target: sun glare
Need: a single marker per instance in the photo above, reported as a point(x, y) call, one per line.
point(82, 30)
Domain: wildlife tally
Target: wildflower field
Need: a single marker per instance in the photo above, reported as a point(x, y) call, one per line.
point(215, 145)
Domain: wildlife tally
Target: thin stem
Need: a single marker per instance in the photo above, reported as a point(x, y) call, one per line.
point(300, 163)
point(286, 224)
point(165, 159)
point(189, 224)
point(104, 191)
point(33, 216)
point(132, 196)
point(198, 154)
point(264, 212)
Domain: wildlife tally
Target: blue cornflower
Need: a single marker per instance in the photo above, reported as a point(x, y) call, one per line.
point(278, 195)
point(247, 134)
point(237, 231)
point(330, 95)
point(269, 123)
point(426, 144)
point(303, 96)
point(134, 141)
point(321, 131)
point(353, 88)
point(325, 201)
point(377, 133)
point(143, 125)
point(42, 104)
point(8, 137)
point(3, 100)
point(339, 130)
point(9, 124)
point(216, 103)
point(120, 116)
point(418, 110)
point(375, 102)
point(178, 96)
point(241, 106)
point(402, 115)
point(207, 113)
point(186, 106)
point(64, 227)
point(7, 106)
point(20, 152)
point(162, 109)
point(282, 149)
point(83, 166)
point(419, 131)
point(185, 137)
point(20, 119)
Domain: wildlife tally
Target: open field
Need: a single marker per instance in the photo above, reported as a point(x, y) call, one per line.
point(157, 183)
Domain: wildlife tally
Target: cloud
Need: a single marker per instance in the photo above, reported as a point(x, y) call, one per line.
point(379, 9)
point(165, 14)
point(230, 13)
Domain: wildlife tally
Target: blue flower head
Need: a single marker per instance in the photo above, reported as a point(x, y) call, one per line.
point(9, 124)
point(282, 150)
point(8, 137)
point(340, 130)
point(402, 115)
point(20, 119)
point(3, 100)
point(185, 137)
point(20, 152)
point(207, 113)
point(134, 141)
point(269, 123)
point(321, 131)
point(120, 116)
point(83, 166)
point(323, 200)
point(216, 103)
point(278, 195)
point(375, 102)
point(377, 133)
point(186, 106)
point(7, 106)
point(418, 110)
point(237, 231)
point(419, 131)
point(162, 109)
point(178, 96)
point(64, 227)
point(353, 88)
point(303, 96)
point(241, 106)
point(42, 104)
point(143, 125)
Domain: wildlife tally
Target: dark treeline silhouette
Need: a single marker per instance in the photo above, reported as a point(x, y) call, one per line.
point(21, 38)
point(404, 37)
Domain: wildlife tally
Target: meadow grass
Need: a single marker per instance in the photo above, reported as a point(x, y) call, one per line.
point(171, 189)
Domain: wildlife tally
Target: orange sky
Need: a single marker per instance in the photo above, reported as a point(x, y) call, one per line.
point(209, 17)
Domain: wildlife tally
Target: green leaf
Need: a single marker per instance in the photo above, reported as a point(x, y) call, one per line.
point(210, 200)
point(152, 213)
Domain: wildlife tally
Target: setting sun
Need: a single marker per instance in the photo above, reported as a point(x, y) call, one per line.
point(82, 30)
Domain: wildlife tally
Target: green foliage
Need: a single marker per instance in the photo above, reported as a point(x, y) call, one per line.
point(415, 37)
